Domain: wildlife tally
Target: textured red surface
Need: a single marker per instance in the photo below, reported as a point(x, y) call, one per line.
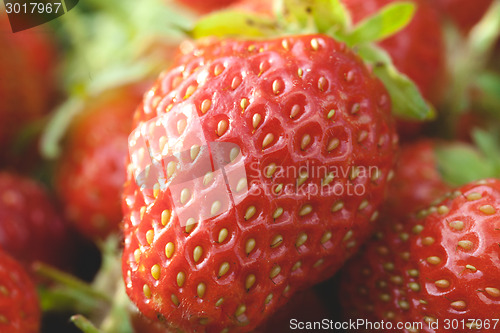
point(19, 309)
point(442, 266)
point(233, 83)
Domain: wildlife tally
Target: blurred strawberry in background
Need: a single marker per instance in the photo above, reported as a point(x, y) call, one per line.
point(27, 84)
point(464, 13)
point(201, 6)
point(31, 228)
point(90, 172)
point(19, 306)
point(417, 51)
point(110, 61)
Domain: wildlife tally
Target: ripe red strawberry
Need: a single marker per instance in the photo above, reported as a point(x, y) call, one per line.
point(26, 88)
point(19, 308)
point(464, 13)
point(439, 268)
point(418, 50)
point(90, 172)
point(266, 148)
point(206, 6)
point(30, 226)
point(303, 307)
point(419, 45)
point(417, 180)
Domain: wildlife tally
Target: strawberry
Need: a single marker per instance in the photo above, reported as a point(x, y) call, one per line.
point(235, 231)
point(19, 308)
point(293, 312)
point(439, 268)
point(304, 306)
point(26, 66)
point(417, 179)
point(206, 6)
point(419, 45)
point(90, 172)
point(465, 14)
point(30, 226)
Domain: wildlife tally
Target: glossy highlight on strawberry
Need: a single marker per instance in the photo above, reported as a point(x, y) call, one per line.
point(260, 153)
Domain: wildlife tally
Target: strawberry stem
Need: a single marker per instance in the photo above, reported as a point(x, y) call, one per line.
point(69, 281)
point(84, 324)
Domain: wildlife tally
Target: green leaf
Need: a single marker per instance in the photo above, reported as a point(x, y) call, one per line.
point(407, 102)
point(50, 141)
point(84, 324)
point(489, 144)
point(460, 164)
point(233, 23)
point(69, 281)
point(488, 93)
point(483, 37)
point(386, 22)
point(63, 299)
point(340, 14)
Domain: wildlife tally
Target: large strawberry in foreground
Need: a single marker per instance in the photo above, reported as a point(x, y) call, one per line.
point(439, 269)
point(257, 168)
point(19, 308)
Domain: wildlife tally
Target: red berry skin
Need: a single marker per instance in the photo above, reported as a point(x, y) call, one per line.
point(465, 14)
point(19, 308)
point(90, 173)
point(27, 86)
point(418, 50)
point(304, 306)
point(417, 180)
point(441, 264)
point(201, 6)
point(31, 229)
point(273, 100)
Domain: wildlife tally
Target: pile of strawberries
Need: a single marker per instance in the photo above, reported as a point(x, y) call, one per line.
point(252, 166)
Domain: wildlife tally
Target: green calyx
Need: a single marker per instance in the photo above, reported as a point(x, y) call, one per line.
point(329, 17)
point(461, 163)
